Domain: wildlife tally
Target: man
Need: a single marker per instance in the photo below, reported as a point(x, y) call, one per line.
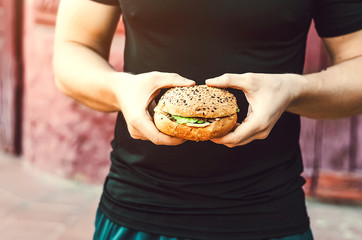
point(247, 184)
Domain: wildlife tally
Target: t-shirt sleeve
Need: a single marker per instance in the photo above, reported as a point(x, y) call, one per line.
point(108, 2)
point(337, 17)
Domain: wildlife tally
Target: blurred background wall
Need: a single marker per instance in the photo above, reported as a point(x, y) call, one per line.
point(55, 134)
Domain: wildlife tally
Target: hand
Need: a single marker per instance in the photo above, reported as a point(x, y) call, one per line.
point(136, 93)
point(268, 95)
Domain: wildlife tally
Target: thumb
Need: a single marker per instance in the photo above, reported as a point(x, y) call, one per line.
point(224, 81)
point(220, 81)
point(228, 80)
point(169, 80)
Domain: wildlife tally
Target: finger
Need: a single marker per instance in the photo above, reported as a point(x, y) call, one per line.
point(169, 80)
point(231, 144)
point(150, 111)
point(235, 127)
point(229, 80)
point(150, 132)
point(246, 132)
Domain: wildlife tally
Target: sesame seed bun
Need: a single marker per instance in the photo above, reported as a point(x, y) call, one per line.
point(217, 107)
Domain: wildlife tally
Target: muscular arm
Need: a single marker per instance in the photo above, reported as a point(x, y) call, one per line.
point(337, 91)
point(82, 45)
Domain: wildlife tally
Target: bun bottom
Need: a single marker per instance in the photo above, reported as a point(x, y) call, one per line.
point(216, 129)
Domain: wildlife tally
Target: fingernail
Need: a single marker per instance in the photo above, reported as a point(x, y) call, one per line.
point(209, 81)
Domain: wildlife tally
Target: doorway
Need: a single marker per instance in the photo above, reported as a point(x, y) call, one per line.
point(11, 75)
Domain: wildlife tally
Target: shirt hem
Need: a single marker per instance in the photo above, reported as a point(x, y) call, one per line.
point(200, 235)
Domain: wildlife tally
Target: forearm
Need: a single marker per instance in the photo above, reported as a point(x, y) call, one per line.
point(86, 76)
point(333, 93)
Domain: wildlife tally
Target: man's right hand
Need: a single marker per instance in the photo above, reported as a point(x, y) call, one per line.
point(135, 93)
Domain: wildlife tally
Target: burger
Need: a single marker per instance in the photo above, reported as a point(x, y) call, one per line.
point(197, 113)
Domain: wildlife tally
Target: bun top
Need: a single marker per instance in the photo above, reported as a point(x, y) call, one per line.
point(198, 101)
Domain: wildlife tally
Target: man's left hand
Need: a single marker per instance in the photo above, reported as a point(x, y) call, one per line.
point(268, 95)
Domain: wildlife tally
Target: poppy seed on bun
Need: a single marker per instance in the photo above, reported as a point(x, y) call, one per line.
point(196, 113)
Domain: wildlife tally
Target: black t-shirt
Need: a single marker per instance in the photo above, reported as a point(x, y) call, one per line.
point(202, 190)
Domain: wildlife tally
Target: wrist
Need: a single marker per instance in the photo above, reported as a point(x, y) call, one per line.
point(115, 84)
point(298, 86)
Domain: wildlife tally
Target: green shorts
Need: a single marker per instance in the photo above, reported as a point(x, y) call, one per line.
point(105, 229)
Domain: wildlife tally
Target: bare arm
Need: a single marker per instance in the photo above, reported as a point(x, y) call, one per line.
point(337, 91)
point(333, 93)
point(84, 34)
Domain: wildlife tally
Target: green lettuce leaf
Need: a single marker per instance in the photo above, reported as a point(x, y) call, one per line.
point(184, 120)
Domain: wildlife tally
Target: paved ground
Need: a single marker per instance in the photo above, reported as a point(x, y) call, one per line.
point(36, 206)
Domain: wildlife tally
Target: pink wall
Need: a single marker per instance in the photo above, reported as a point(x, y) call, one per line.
point(61, 136)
